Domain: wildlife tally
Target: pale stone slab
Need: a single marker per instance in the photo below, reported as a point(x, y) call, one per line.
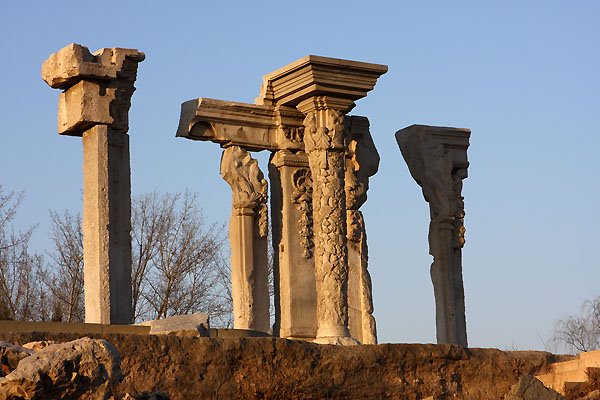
point(437, 160)
point(196, 321)
point(106, 227)
point(570, 371)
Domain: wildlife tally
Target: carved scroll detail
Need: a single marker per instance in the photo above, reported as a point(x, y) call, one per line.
point(302, 197)
point(248, 185)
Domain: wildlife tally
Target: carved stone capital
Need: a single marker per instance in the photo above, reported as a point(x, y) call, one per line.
point(324, 130)
point(437, 160)
point(248, 185)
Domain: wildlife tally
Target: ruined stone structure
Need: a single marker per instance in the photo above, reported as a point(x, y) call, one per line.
point(94, 104)
point(300, 116)
point(437, 160)
point(248, 233)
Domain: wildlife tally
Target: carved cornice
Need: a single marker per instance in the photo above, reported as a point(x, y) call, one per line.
point(315, 76)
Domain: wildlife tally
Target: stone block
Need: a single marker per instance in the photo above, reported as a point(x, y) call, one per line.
point(197, 321)
point(82, 106)
point(75, 62)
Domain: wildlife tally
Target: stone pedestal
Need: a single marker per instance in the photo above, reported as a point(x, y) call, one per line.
point(292, 235)
point(248, 231)
point(94, 104)
point(437, 160)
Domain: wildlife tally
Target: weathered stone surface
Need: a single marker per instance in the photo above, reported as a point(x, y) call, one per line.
point(302, 106)
point(362, 162)
point(267, 368)
point(81, 369)
point(293, 246)
point(94, 104)
point(248, 231)
point(97, 87)
point(75, 62)
point(10, 355)
point(106, 227)
point(437, 160)
point(198, 322)
point(576, 370)
point(529, 388)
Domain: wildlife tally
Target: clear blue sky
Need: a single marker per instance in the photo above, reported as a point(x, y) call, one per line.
point(524, 76)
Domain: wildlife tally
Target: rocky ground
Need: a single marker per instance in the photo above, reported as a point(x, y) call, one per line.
point(266, 368)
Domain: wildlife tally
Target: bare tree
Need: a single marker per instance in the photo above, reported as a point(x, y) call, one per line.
point(20, 291)
point(175, 258)
point(580, 332)
point(177, 261)
point(64, 279)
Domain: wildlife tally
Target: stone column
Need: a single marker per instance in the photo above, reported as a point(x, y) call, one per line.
point(324, 144)
point(362, 162)
point(248, 231)
point(94, 104)
point(293, 246)
point(437, 160)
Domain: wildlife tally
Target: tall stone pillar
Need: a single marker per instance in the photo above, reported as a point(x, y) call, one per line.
point(324, 144)
point(437, 160)
point(293, 245)
point(248, 231)
point(362, 162)
point(94, 104)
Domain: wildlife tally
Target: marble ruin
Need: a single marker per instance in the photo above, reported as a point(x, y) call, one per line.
point(94, 105)
point(317, 150)
point(248, 233)
point(437, 160)
point(320, 164)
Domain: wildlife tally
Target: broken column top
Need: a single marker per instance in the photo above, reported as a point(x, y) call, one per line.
point(96, 87)
point(319, 76)
point(75, 62)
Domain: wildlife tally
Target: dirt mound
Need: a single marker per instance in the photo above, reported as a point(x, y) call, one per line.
point(266, 368)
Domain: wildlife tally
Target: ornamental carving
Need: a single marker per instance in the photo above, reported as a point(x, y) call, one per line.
point(302, 197)
point(289, 122)
point(248, 185)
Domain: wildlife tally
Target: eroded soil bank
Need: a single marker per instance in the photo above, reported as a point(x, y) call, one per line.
point(266, 368)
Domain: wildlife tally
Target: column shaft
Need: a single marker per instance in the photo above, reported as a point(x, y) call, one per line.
point(106, 226)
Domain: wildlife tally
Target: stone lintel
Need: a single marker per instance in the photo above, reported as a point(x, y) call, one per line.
point(317, 76)
point(253, 127)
